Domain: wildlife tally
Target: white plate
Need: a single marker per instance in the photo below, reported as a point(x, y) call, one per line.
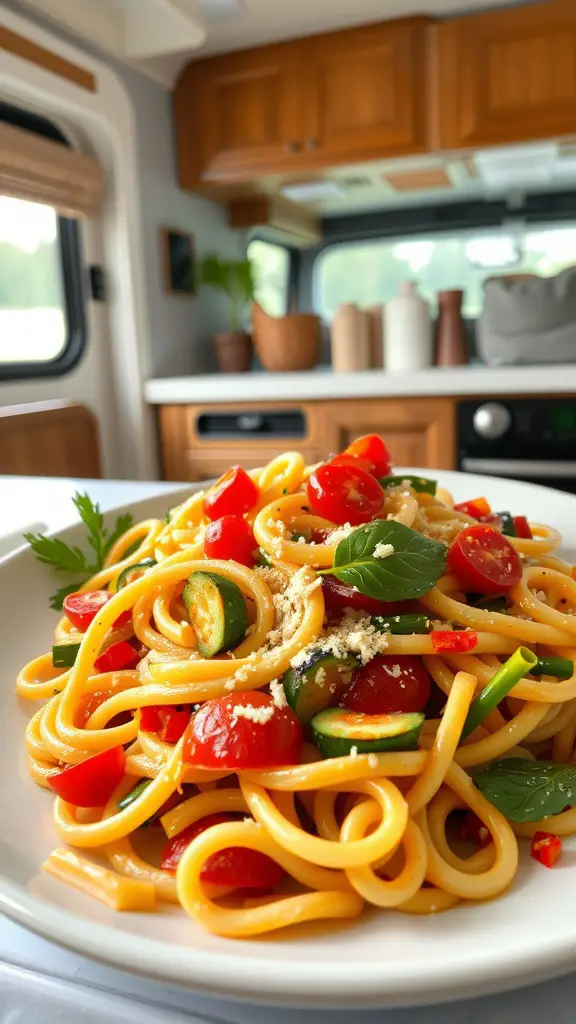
point(383, 959)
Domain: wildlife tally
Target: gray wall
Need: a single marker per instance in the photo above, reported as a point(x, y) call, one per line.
point(180, 327)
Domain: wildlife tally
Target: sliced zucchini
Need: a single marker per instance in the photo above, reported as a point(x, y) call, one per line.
point(134, 572)
point(318, 683)
point(420, 484)
point(401, 624)
point(337, 731)
point(65, 651)
point(216, 611)
point(133, 794)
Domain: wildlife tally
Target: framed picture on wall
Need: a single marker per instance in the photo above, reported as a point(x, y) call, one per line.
point(177, 261)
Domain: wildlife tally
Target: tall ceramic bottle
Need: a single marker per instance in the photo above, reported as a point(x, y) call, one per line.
point(408, 339)
point(350, 339)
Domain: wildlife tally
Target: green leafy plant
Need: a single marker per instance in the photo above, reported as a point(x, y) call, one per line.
point(528, 790)
point(234, 278)
point(69, 559)
point(411, 570)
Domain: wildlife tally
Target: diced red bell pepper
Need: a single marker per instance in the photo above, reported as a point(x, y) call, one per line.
point(546, 848)
point(476, 508)
point(118, 656)
point(454, 641)
point(92, 782)
point(522, 527)
point(168, 722)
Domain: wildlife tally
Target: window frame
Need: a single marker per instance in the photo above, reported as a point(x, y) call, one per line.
point(404, 222)
point(293, 264)
point(71, 269)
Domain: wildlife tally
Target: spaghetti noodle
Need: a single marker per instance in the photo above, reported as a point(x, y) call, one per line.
point(305, 751)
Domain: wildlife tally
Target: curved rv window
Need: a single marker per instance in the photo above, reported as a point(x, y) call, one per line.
point(42, 322)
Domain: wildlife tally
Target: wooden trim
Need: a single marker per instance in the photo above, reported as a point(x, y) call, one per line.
point(30, 51)
point(288, 219)
point(53, 438)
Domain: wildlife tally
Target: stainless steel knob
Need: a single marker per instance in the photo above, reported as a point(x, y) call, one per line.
point(492, 420)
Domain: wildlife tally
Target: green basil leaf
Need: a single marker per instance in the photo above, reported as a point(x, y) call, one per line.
point(528, 790)
point(412, 570)
point(420, 484)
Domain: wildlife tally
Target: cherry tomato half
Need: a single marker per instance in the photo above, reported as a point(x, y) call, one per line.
point(80, 609)
point(230, 537)
point(389, 683)
point(118, 656)
point(234, 493)
point(260, 736)
point(344, 494)
point(92, 782)
point(338, 596)
point(351, 460)
point(235, 867)
point(371, 449)
point(484, 560)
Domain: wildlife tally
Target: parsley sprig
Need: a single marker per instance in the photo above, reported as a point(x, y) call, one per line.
point(71, 559)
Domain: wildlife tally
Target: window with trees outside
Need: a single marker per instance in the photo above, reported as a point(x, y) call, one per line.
point(41, 301)
point(371, 271)
point(271, 267)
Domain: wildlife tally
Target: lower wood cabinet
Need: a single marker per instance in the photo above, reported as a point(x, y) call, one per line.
point(418, 431)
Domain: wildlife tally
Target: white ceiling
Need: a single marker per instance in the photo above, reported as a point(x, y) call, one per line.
point(160, 36)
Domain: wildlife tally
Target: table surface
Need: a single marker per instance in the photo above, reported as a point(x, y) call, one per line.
point(24, 501)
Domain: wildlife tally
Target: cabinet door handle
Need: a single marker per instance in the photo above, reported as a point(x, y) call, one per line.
point(292, 146)
point(312, 144)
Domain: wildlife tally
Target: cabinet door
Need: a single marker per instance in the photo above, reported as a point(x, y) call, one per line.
point(236, 115)
point(418, 431)
point(509, 75)
point(363, 91)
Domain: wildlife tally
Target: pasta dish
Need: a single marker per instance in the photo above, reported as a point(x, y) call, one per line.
point(309, 690)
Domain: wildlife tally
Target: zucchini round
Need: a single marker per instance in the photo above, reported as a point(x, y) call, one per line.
point(216, 611)
point(134, 572)
point(318, 683)
point(337, 731)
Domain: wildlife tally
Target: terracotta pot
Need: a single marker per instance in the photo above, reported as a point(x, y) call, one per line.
point(233, 351)
point(287, 342)
point(450, 330)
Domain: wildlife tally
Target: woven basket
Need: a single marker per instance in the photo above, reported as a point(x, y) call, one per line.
point(288, 342)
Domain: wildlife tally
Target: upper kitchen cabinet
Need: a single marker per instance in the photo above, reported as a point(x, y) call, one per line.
point(507, 76)
point(236, 116)
point(364, 91)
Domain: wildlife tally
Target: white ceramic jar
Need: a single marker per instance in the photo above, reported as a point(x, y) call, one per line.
point(408, 336)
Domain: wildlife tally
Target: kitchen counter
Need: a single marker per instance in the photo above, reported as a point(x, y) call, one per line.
point(323, 384)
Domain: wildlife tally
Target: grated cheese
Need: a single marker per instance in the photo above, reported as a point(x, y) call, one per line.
point(383, 550)
point(278, 695)
point(335, 536)
point(353, 752)
point(259, 715)
point(372, 760)
point(350, 636)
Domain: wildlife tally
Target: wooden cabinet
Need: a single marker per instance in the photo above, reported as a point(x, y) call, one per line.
point(419, 432)
point(237, 116)
point(505, 76)
point(303, 105)
point(363, 91)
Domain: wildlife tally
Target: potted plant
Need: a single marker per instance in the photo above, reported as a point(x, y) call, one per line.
point(235, 279)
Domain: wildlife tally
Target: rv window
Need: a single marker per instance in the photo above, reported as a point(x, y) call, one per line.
point(42, 328)
point(370, 272)
point(271, 265)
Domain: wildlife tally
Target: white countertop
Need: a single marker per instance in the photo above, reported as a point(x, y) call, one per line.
point(323, 383)
point(58, 984)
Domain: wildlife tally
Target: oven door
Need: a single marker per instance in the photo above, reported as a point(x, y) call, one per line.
point(560, 475)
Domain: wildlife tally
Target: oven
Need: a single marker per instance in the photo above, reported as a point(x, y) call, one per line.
point(532, 439)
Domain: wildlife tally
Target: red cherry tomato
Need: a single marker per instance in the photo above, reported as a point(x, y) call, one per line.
point(389, 683)
point(235, 867)
point(476, 508)
point(473, 830)
point(80, 609)
point(87, 706)
point(484, 560)
point(344, 494)
point(230, 537)
point(263, 736)
point(118, 656)
point(234, 493)
point(522, 527)
point(371, 449)
point(338, 596)
point(91, 783)
point(351, 460)
point(457, 641)
point(169, 723)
